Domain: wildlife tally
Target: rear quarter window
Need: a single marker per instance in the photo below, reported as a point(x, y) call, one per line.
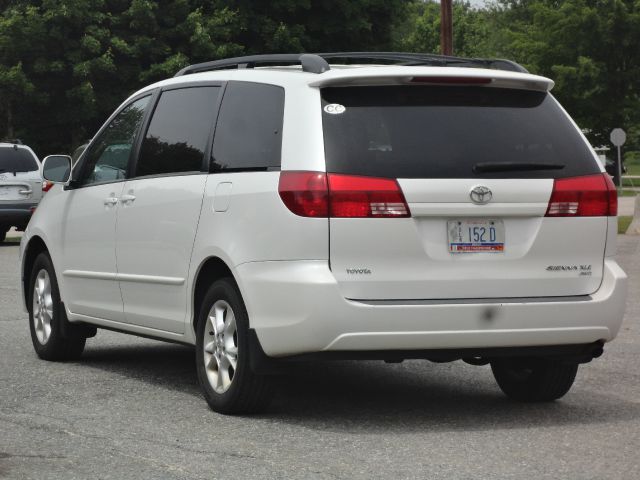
point(444, 132)
point(249, 130)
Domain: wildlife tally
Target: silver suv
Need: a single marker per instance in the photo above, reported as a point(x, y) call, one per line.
point(441, 209)
point(20, 186)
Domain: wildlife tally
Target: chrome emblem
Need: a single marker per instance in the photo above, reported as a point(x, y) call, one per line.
point(480, 195)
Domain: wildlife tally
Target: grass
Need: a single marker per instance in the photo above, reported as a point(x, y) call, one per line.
point(633, 168)
point(12, 240)
point(623, 223)
point(627, 193)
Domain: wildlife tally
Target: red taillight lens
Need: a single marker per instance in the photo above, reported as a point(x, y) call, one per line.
point(589, 196)
point(305, 193)
point(46, 186)
point(365, 197)
point(315, 194)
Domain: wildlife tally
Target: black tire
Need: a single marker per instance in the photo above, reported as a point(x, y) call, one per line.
point(247, 392)
point(58, 345)
point(534, 380)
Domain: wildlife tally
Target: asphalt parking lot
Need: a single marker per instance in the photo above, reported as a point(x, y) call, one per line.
point(131, 408)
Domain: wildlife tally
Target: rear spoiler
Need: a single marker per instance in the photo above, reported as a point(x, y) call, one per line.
point(397, 75)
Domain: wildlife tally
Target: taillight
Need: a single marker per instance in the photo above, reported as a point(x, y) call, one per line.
point(365, 197)
point(305, 193)
point(46, 186)
point(315, 194)
point(589, 196)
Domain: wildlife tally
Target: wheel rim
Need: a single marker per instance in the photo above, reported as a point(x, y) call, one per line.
point(42, 306)
point(220, 346)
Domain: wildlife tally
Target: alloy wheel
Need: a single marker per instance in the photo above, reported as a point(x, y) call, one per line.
point(220, 346)
point(42, 306)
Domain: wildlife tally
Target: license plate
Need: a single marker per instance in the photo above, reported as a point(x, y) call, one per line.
point(472, 236)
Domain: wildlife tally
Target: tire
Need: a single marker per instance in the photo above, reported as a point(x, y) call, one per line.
point(47, 315)
point(3, 234)
point(222, 354)
point(534, 380)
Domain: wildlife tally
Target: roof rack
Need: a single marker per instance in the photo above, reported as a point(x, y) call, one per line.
point(416, 59)
point(317, 62)
point(309, 62)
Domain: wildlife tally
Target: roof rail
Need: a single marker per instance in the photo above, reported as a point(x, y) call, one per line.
point(416, 59)
point(317, 62)
point(309, 62)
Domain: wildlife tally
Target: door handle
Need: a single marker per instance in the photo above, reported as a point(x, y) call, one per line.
point(127, 198)
point(110, 201)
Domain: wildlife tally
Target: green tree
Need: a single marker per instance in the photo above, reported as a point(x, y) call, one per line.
point(591, 48)
point(66, 64)
point(421, 30)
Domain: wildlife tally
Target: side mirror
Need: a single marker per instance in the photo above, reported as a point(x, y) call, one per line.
point(57, 169)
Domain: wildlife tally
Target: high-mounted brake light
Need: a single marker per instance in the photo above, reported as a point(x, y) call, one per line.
point(588, 196)
point(453, 80)
point(316, 194)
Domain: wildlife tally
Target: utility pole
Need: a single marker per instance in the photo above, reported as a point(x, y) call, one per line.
point(446, 27)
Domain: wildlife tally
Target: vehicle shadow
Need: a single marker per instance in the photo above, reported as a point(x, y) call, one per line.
point(374, 397)
point(418, 395)
point(165, 365)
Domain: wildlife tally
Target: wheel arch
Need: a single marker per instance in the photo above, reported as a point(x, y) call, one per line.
point(211, 269)
point(34, 248)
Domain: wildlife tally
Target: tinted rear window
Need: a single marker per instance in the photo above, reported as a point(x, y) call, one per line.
point(179, 131)
point(249, 129)
point(443, 132)
point(16, 160)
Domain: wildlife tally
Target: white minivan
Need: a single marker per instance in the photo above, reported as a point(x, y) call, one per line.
point(273, 209)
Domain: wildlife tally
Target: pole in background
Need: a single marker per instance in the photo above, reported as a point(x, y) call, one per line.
point(618, 137)
point(446, 27)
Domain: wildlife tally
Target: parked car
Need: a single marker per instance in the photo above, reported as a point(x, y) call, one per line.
point(611, 167)
point(20, 186)
point(441, 210)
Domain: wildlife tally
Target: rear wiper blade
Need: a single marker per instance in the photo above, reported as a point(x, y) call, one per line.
point(515, 166)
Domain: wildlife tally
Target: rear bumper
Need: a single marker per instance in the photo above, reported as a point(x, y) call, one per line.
point(296, 308)
point(16, 214)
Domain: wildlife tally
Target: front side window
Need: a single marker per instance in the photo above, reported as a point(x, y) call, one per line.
point(249, 129)
point(108, 156)
point(179, 132)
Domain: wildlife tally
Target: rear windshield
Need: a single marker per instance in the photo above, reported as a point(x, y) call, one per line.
point(450, 132)
point(16, 160)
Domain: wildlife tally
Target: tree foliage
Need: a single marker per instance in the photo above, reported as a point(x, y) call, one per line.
point(590, 48)
point(66, 64)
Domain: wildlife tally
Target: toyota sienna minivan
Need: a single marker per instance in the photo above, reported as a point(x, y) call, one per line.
point(281, 208)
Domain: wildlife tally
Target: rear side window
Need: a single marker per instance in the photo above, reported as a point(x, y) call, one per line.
point(450, 132)
point(17, 160)
point(179, 132)
point(249, 130)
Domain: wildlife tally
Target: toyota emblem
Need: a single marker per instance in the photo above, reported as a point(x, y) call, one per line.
point(480, 195)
